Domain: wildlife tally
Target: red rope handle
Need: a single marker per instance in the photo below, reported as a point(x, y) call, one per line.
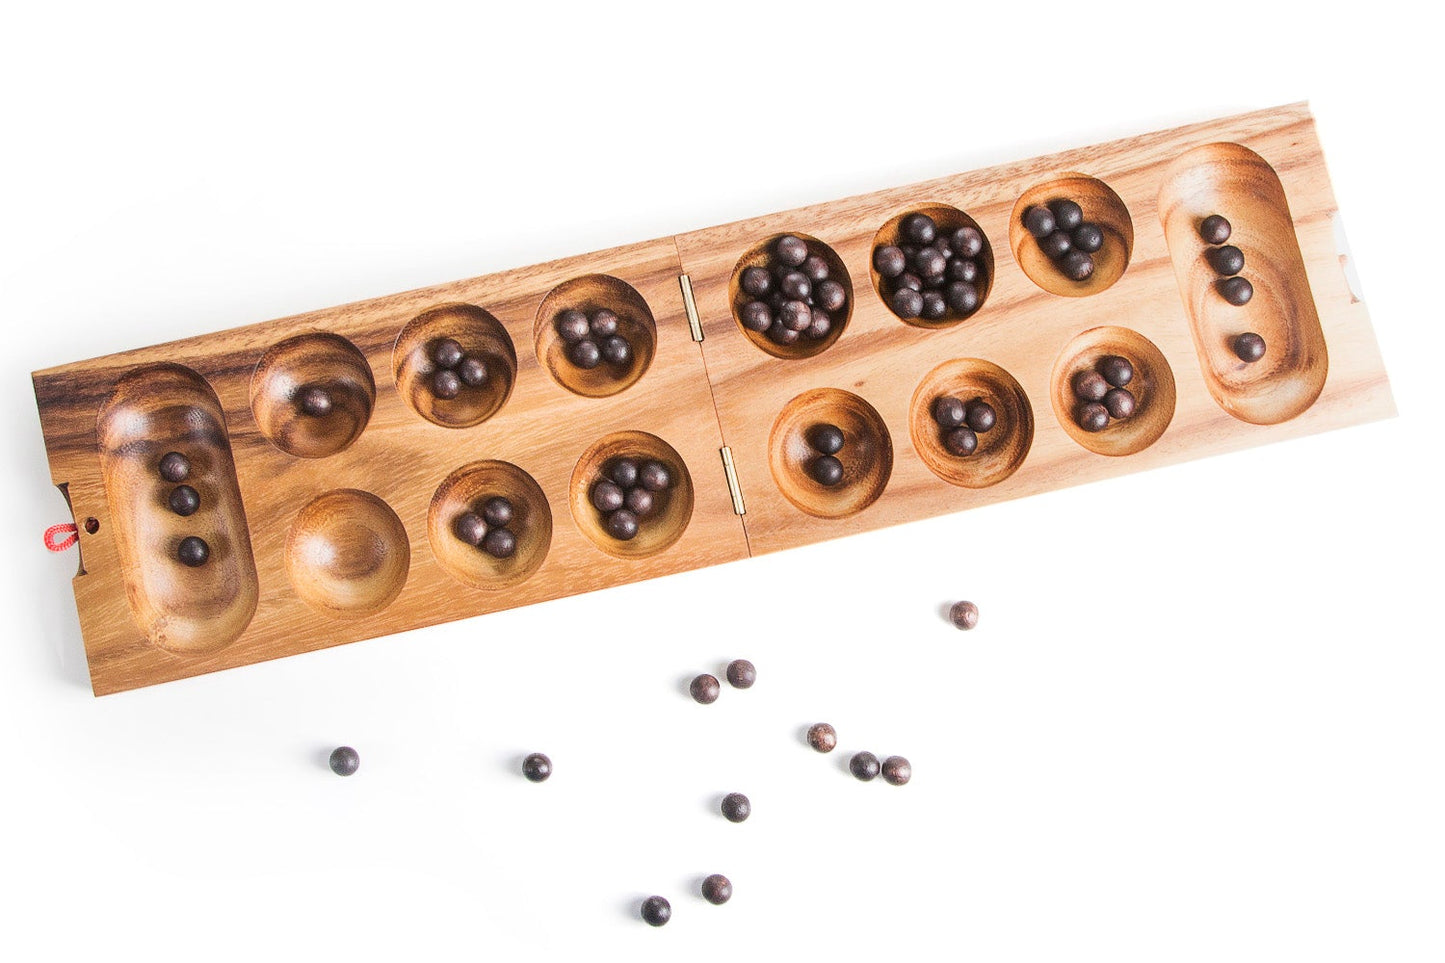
point(72, 535)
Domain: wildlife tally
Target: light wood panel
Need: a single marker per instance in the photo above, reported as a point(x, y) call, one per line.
point(1024, 329)
point(401, 458)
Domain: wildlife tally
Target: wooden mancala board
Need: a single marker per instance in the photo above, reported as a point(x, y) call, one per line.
point(329, 528)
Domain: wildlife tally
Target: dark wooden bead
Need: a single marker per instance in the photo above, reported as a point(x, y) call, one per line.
point(1119, 403)
point(1039, 221)
point(617, 350)
point(705, 689)
point(640, 502)
point(585, 354)
point(717, 889)
point(981, 416)
point(572, 326)
point(1092, 416)
point(445, 384)
point(1116, 370)
point(1236, 290)
point(656, 911)
point(815, 268)
point(1226, 260)
point(906, 303)
point(603, 323)
point(655, 476)
point(967, 242)
point(889, 261)
point(175, 467)
point(497, 511)
point(918, 229)
point(826, 439)
point(537, 767)
point(822, 737)
point(795, 285)
point(820, 328)
point(473, 371)
point(796, 315)
point(193, 551)
point(345, 761)
point(962, 269)
point(1077, 266)
point(929, 264)
point(1056, 245)
point(470, 528)
point(1087, 237)
point(446, 353)
point(961, 441)
point(1089, 385)
point(864, 766)
point(623, 471)
point(756, 281)
point(314, 401)
point(756, 316)
point(897, 771)
point(780, 333)
point(607, 496)
point(1214, 229)
point(949, 412)
point(736, 807)
point(962, 297)
point(935, 308)
point(830, 295)
point(622, 525)
point(1249, 347)
point(792, 251)
point(184, 500)
point(500, 543)
point(826, 470)
point(1067, 214)
point(741, 674)
point(963, 615)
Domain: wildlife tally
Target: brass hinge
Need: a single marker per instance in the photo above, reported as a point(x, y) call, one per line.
point(732, 473)
point(687, 301)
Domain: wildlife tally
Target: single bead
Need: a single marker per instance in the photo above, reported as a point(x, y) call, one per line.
point(736, 807)
point(822, 737)
point(175, 467)
point(345, 761)
point(705, 689)
point(742, 674)
point(656, 911)
point(963, 615)
point(897, 771)
point(193, 551)
point(717, 889)
point(864, 766)
point(184, 500)
point(537, 767)
point(446, 353)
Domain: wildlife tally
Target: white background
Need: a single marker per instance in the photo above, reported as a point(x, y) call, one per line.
point(1201, 718)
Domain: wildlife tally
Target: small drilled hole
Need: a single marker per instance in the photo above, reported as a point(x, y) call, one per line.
point(92, 525)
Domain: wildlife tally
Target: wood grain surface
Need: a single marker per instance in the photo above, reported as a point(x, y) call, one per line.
point(403, 459)
point(1025, 329)
point(693, 398)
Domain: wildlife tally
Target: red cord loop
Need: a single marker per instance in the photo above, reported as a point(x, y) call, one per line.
point(71, 533)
